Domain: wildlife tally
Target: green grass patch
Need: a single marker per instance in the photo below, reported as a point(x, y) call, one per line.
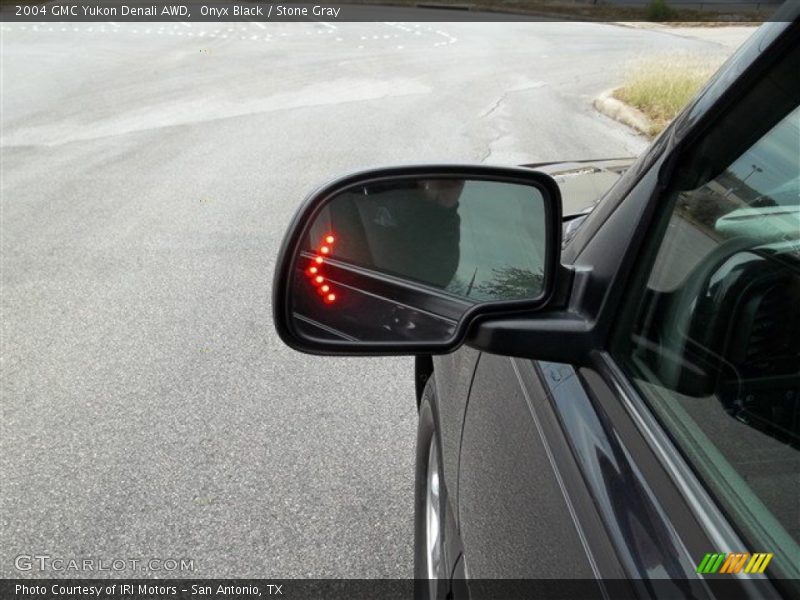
point(659, 10)
point(660, 88)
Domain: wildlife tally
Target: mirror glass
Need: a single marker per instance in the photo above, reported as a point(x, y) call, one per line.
point(405, 258)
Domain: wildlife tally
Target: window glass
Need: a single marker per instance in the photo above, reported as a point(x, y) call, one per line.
point(715, 342)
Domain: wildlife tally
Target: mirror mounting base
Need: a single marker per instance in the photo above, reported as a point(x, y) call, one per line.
point(558, 334)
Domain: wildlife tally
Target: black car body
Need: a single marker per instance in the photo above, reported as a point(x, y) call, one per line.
point(646, 424)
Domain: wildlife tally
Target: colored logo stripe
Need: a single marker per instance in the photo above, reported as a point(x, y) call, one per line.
point(758, 563)
point(734, 562)
point(711, 563)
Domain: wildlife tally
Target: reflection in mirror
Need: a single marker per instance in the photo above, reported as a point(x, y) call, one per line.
point(405, 258)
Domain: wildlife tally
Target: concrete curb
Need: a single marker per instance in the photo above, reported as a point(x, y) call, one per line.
point(606, 104)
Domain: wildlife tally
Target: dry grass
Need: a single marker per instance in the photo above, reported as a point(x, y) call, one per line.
point(660, 88)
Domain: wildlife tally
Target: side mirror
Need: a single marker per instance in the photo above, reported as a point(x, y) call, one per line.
point(403, 260)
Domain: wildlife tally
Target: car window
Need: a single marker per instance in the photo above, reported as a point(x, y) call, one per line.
point(713, 342)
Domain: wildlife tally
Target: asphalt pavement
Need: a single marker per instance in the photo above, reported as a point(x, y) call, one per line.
point(148, 173)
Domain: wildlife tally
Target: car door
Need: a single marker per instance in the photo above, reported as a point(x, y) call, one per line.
point(672, 458)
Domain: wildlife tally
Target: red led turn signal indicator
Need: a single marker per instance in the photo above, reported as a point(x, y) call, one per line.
point(314, 270)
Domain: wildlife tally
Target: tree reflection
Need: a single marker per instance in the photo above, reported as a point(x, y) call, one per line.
point(509, 283)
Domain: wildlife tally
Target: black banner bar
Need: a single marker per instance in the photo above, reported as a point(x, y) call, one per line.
point(372, 589)
point(49, 11)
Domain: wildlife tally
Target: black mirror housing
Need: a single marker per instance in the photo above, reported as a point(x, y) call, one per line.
point(404, 260)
